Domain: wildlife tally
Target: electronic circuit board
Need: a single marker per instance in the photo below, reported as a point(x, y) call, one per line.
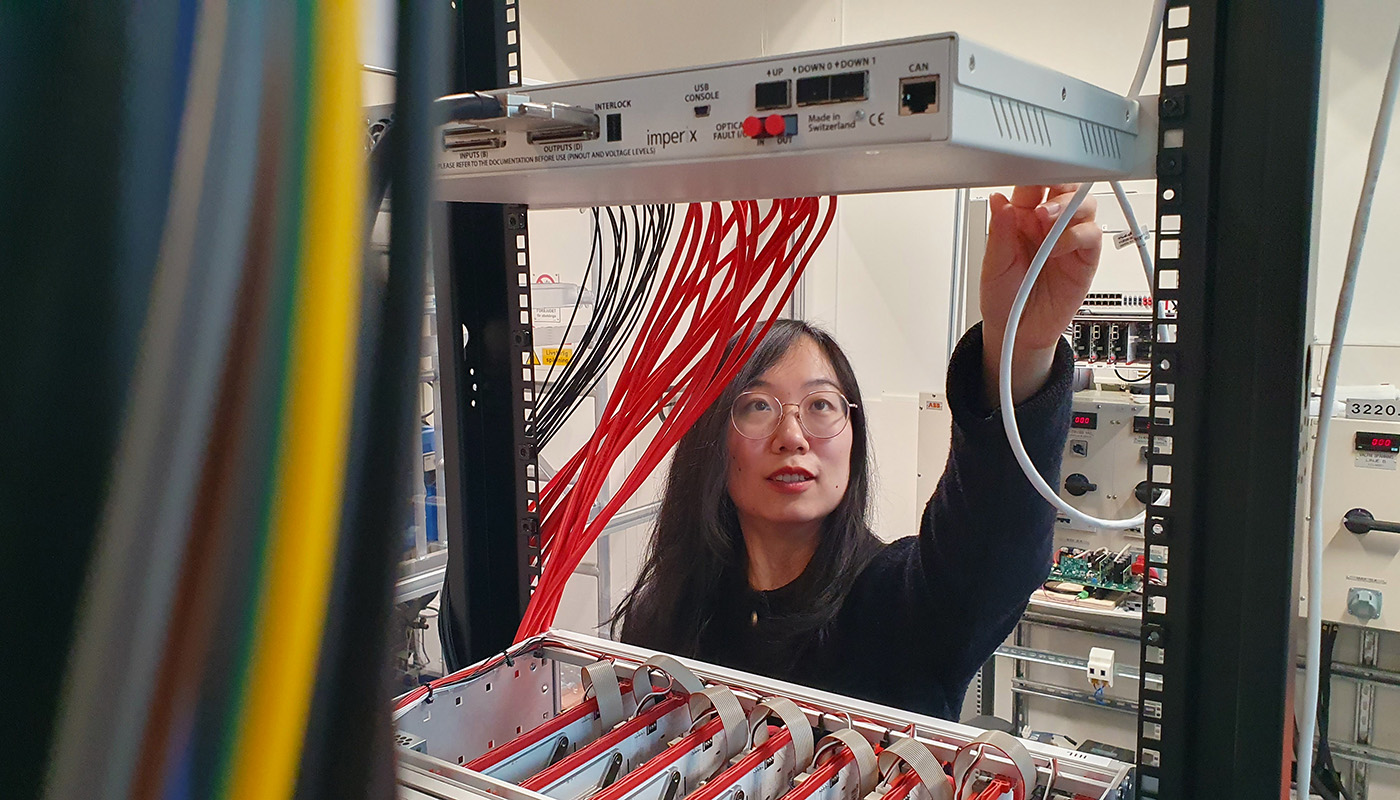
point(1095, 570)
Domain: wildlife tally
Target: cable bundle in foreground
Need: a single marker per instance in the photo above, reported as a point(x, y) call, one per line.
point(222, 543)
point(731, 273)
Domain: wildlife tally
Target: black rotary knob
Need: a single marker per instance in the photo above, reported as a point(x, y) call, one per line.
point(1145, 494)
point(1078, 484)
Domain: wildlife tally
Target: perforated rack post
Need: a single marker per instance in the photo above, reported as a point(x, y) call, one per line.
point(1238, 131)
point(483, 287)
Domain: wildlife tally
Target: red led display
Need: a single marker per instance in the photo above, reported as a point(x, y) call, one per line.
point(1377, 442)
point(1084, 419)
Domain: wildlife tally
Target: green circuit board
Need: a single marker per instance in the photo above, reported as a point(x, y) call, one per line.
point(1078, 568)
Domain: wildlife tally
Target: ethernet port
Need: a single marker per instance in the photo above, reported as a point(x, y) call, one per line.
point(918, 95)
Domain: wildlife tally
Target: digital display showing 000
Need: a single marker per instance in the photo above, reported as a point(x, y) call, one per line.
point(1084, 419)
point(1377, 442)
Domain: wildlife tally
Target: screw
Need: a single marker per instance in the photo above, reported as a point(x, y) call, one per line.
point(1158, 529)
point(972, 63)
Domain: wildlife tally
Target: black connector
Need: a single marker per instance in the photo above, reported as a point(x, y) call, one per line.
point(614, 125)
point(772, 95)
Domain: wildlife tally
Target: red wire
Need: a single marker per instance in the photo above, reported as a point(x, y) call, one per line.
point(709, 295)
point(1018, 787)
point(552, 589)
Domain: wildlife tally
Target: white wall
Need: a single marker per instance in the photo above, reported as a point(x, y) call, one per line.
point(1357, 39)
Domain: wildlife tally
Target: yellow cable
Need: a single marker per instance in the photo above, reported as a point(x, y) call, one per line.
point(311, 464)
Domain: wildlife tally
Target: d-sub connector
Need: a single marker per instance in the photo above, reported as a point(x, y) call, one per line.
point(465, 138)
point(562, 135)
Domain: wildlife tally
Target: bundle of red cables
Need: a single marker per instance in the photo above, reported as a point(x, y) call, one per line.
point(733, 269)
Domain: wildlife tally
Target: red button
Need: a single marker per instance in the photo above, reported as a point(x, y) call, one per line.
point(774, 125)
point(753, 127)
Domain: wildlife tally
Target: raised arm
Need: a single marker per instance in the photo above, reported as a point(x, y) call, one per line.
point(985, 538)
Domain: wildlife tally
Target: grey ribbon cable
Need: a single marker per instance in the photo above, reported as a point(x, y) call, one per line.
point(793, 719)
point(866, 764)
point(921, 761)
point(601, 678)
point(1008, 744)
point(679, 675)
point(726, 707)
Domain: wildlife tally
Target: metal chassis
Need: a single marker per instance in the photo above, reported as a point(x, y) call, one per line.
point(1081, 772)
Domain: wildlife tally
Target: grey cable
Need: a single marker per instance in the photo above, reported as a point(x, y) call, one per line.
point(120, 637)
point(1312, 668)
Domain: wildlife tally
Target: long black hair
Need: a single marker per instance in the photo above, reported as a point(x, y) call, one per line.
point(697, 548)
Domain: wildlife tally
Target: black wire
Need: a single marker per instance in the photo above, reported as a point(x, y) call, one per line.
point(1131, 380)
point(348, 747)
point(578, 301)
point(473, 105)
point(639, 237)
point(1325, 770)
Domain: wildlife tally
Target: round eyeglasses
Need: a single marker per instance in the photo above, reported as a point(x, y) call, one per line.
point(822, 414)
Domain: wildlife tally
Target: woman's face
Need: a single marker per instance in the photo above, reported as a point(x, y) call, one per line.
point(790, 478)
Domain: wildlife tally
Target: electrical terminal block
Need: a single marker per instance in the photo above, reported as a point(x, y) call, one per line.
point(1100, 668)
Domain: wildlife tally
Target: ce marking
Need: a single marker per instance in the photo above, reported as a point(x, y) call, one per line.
point(877, 119)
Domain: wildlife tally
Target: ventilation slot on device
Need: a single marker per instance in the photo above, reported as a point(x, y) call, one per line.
point(1099, 140)
point(1020, 122)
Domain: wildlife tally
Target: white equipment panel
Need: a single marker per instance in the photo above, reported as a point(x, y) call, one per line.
point(1104, 462)
point(1361, 559)
point(928, 112)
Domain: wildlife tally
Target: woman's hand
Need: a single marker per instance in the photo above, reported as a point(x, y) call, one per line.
point(1018, 226)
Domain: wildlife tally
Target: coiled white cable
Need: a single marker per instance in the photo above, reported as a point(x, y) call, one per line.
point(1013, 322)
point(1008, 409)
point(1307, 727)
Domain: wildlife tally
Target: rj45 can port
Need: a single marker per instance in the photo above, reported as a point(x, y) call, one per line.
point(918, 95)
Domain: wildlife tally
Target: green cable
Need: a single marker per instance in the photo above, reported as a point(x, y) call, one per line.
point(293, 113)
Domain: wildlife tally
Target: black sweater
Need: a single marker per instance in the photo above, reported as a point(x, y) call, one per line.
point(927, 611)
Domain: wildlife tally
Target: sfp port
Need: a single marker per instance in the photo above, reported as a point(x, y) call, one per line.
point(843, 87)
point(849, 86)
point(814, 91)
point(464, 138)
point(772, 95)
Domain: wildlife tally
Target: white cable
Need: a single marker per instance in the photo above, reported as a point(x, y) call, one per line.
point(1154, 30)
point(1308, 726)
point(1008, 407)
point(1135, 230)
point(1013, 322)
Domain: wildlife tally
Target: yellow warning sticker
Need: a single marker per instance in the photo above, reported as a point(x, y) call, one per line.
point(556, 355)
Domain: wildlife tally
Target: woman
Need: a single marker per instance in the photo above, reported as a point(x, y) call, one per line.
point(761, 558)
